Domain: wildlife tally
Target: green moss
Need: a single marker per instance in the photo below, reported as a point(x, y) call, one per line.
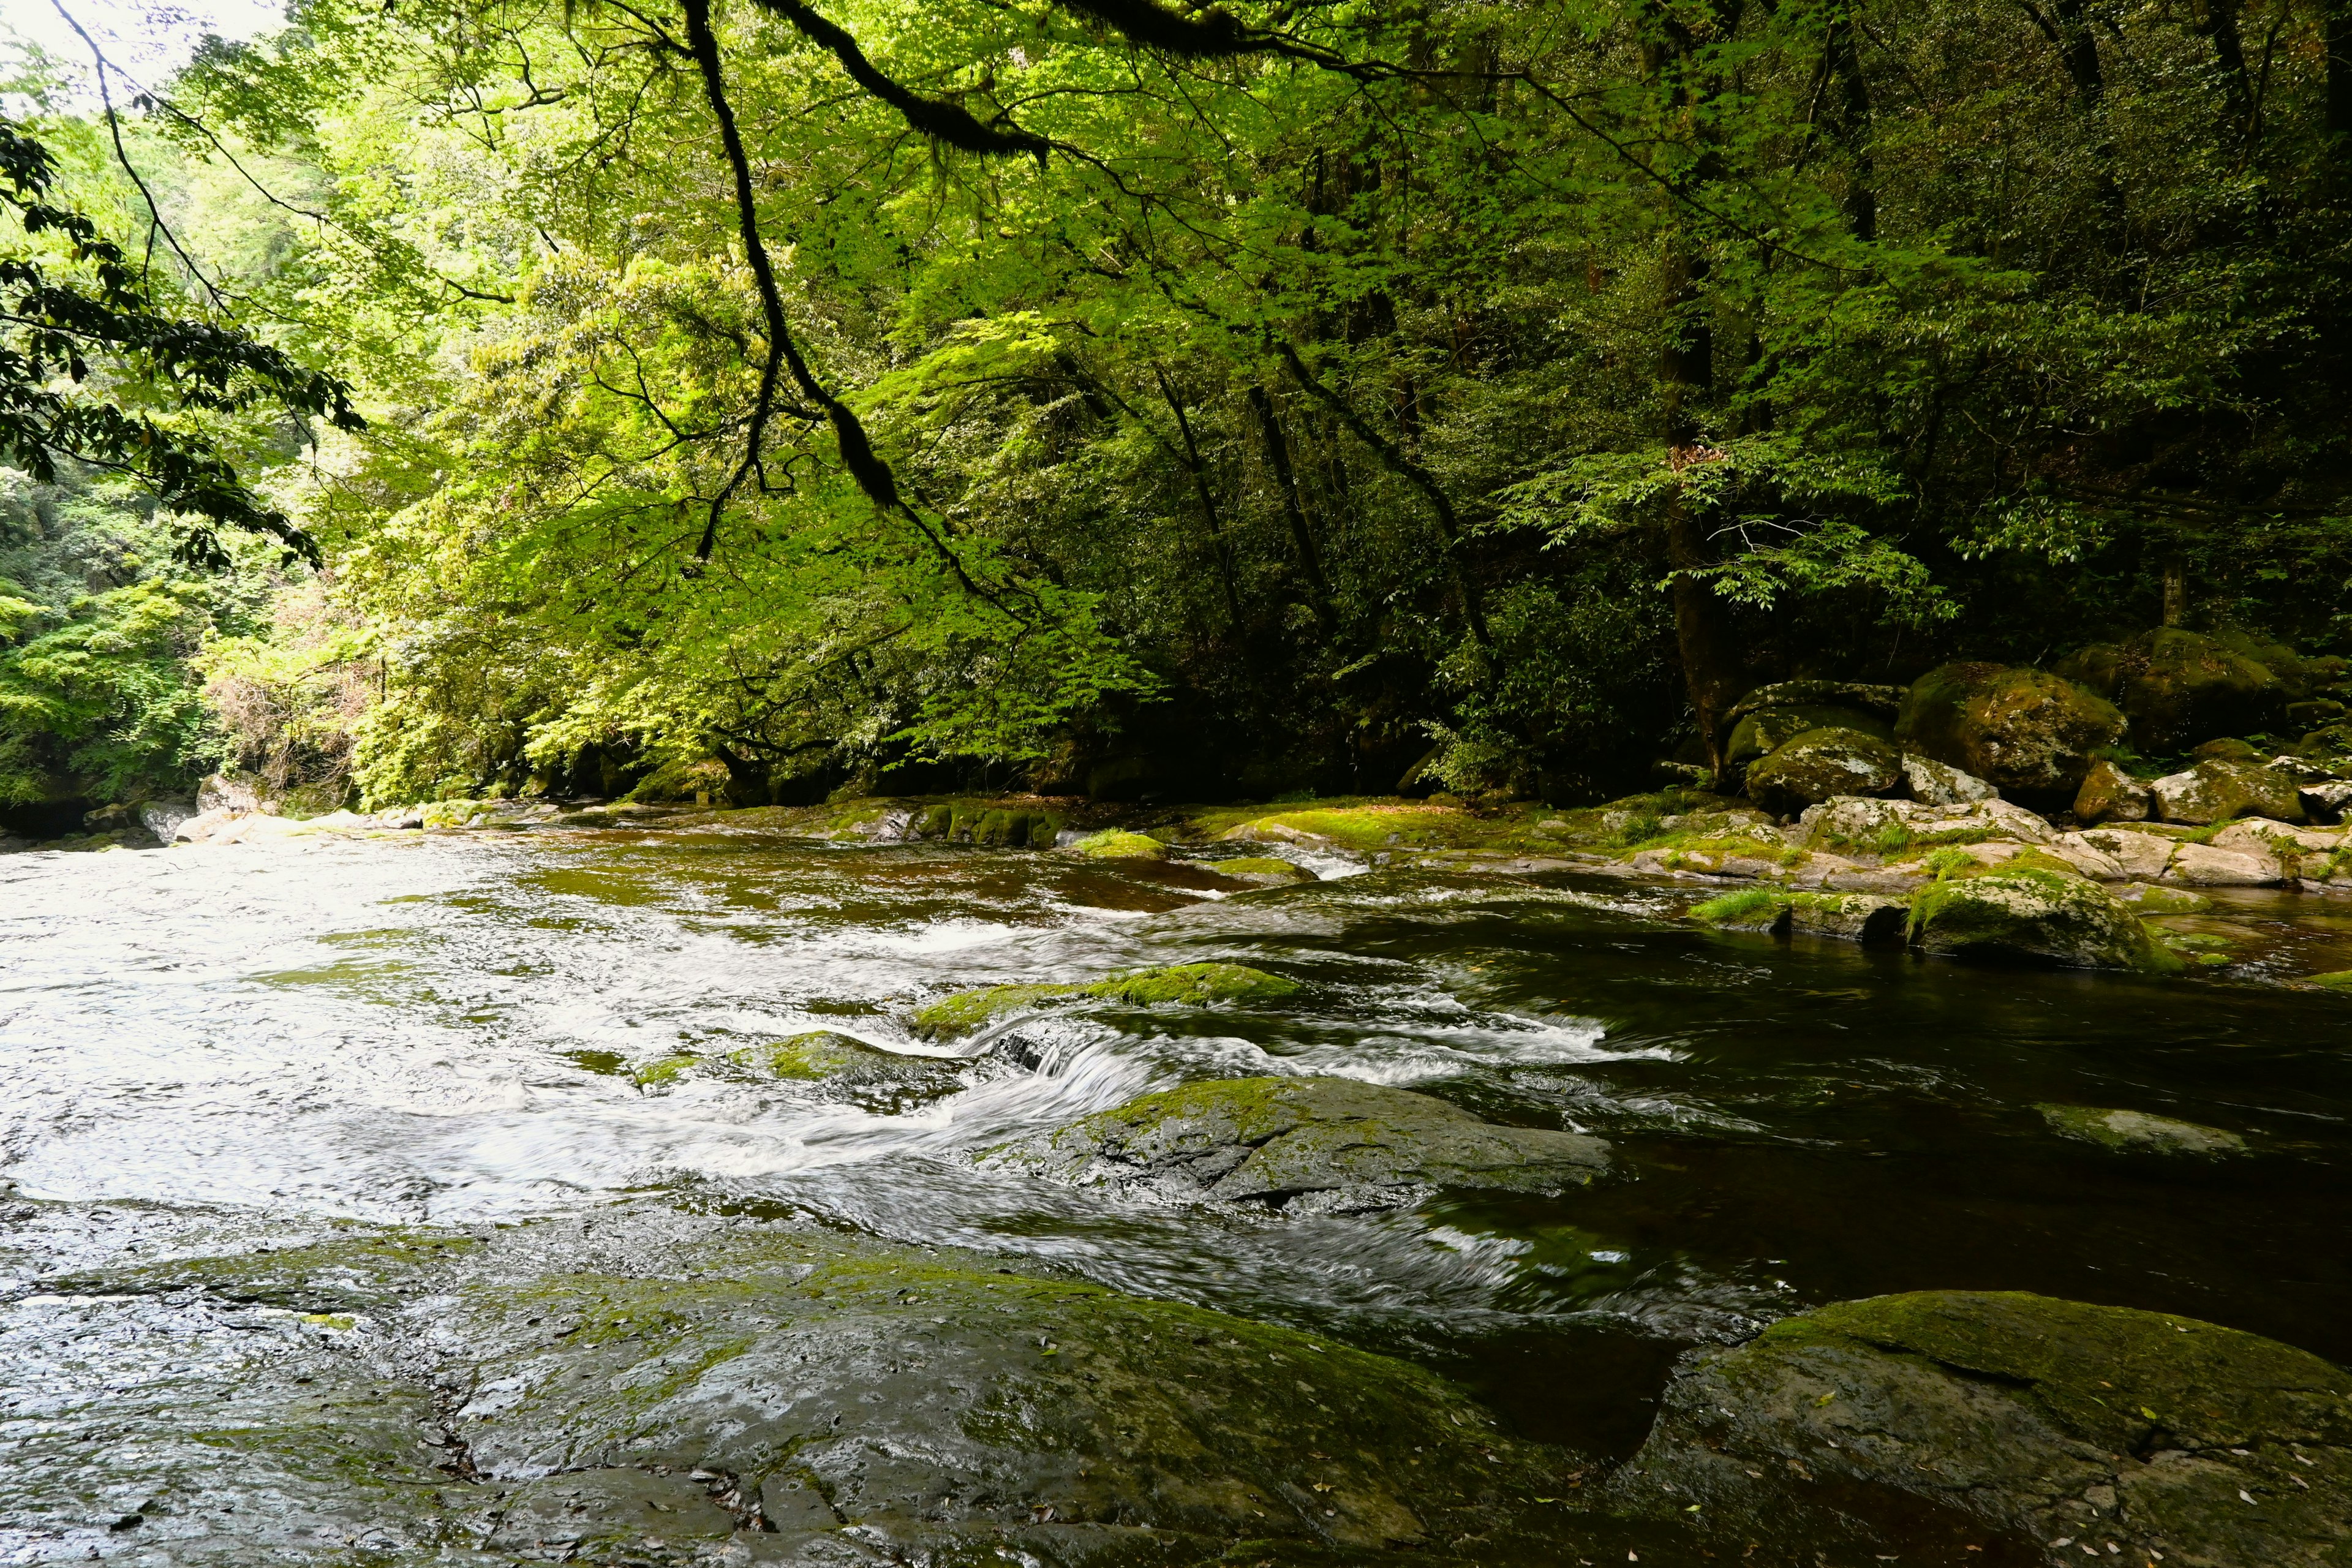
point(661, 1074)
point(1705, 852)
point(2334, 980)
point(1184, 985)
point(1112, 844)
point(1193, 985)
point(1946, 864)
point(1745, 907)
point(969, 1010)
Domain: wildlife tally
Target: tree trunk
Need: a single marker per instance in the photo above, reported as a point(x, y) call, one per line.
point(1277, 456)
point(2176, 590)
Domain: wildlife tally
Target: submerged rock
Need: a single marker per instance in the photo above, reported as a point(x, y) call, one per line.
point(1315, 1144)
point(2150, 901)
point(1262, 870)
point(1182, 984)
point(1820, 764)
point(2025, 731)
point(2137, 1436)
point(2216, 790)
point(847, 1065)
point(2029, 914)
point(2137, 1131)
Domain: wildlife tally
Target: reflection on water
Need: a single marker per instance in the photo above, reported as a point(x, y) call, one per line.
point(454, 1028)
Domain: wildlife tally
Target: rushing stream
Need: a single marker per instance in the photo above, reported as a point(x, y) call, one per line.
point(452, 1028)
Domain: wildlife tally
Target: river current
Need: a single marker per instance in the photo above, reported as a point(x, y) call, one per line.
point(453, 1027)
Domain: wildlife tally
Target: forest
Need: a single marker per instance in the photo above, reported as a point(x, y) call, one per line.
point(1092, 397)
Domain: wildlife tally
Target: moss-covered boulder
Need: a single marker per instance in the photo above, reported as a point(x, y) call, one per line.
point(1764, 731)
point(1821, 764)
point(2036, 915)
point(2110, 795)
point(2029, 733)
point(1181, 985)
point(996, 825)
point(1305, 1144)
point(2136, 1131)
point(1113, 843)
point(2057, 1428)
point(2216, 790)
point(1263, 871)
point(2179, 688)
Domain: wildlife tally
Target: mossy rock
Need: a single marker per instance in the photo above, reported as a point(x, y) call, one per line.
point(1181, 985)
point(2033, 914)
point(980, 822)
point(2110, 795)
point(1112, 844)
point(2027, 733)
point(865, 1073)
point(2136, 1131)
point(1262, 870)
point(968, 1010)
point(2179, 688)
point(1820, 764)
point(2055, 1423)
point(662, 1073)
point(2146, 898)
point(1305, 1144)
point(2334, 980)
point(2218, 790)
point(1866, 918)
point(691, 1389)
point(1766, 729)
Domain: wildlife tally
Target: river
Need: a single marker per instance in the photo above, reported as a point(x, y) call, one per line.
point(452, 1028)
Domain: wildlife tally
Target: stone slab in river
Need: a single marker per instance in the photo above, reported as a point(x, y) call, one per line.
point(2052, 1425)
point(1306, 1143)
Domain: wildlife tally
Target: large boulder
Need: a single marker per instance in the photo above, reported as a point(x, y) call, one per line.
point(1305, 1144)
point(2110, 795)
point(1820, 763)
point(1764, 731)
point(2027, 733)
point(2179, 688)
point(2028, 913)
point(2215, 791)
point(2074, 1431)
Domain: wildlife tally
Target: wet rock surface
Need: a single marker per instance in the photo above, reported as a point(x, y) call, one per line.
point(2055, 1427)
point(649, 1386)
point(2216, 790)
point(1313, 1144)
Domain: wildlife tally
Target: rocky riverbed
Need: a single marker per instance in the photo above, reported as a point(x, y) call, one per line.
point(1012, 1179)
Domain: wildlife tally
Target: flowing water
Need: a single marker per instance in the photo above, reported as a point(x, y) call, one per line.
point(451, 1027)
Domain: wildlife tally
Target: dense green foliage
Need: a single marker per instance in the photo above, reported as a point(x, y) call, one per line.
point(1242, 401)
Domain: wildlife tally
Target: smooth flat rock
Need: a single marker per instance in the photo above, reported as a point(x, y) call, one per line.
point(1307, 1144)
point(2205, 866)
point(2056, 1427)
point(650, 1387)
